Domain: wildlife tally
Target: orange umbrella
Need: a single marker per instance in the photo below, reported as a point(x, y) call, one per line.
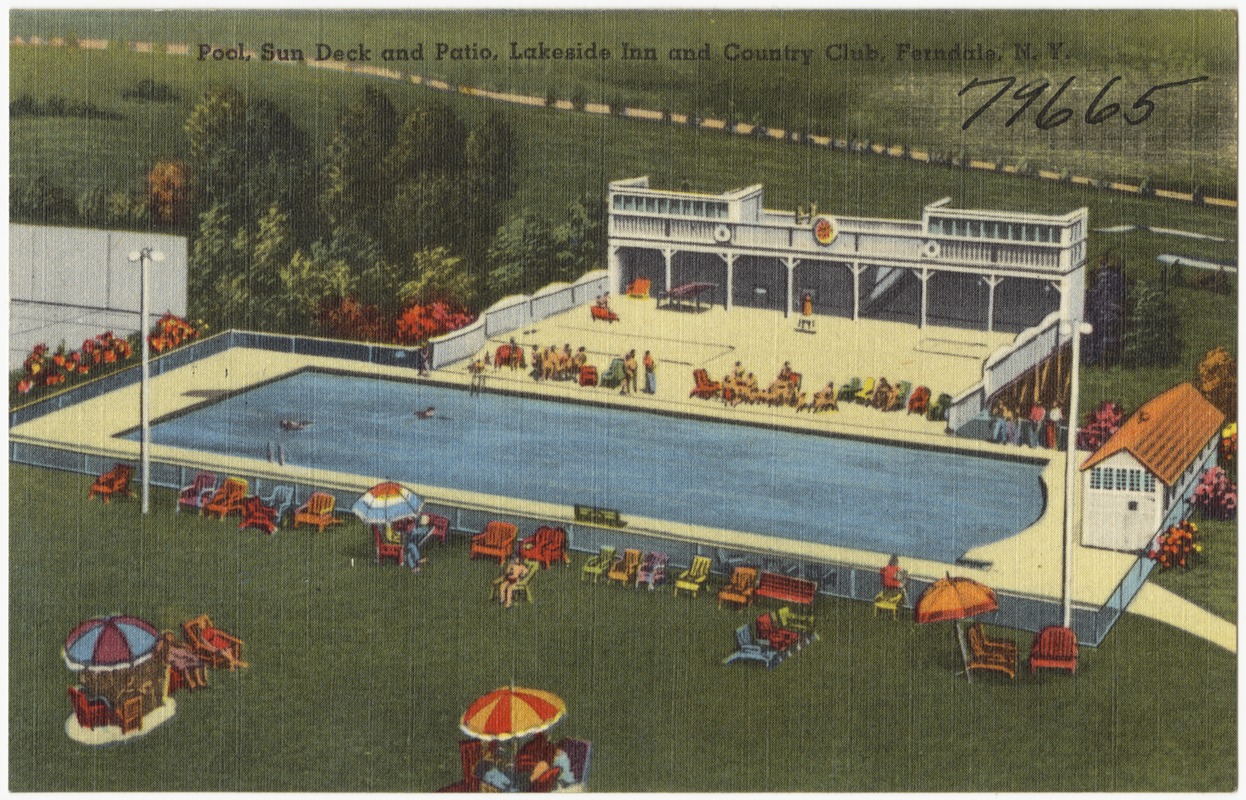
point(954, 598)
point(510, 712)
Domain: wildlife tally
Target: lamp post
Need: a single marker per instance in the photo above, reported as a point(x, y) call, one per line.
point(145, 257)
point(1074, 329)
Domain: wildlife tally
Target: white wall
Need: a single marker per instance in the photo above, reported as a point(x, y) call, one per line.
point(1109, 521)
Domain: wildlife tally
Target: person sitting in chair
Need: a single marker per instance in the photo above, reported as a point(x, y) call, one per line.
point(894, 578)
point(182, 658)
point(413, 536)
point(221, 644)
point(515, 571)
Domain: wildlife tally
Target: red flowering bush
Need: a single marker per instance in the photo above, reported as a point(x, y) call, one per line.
point(1215, 496)
point(419, 323)
point(349, 319)
point(1100, 424)
point(1178, 547)
point(170, 332)
point(1228, 447)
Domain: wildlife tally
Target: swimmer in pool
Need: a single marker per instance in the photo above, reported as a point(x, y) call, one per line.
point(427, 413)
point(294, 425)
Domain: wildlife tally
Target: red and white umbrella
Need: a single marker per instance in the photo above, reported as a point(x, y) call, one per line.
point(511, 712)
point(387, 503)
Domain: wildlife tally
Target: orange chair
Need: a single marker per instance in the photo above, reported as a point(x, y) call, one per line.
point(214, 646)
point(705, 388)
point(226, 500)
point(497, 540)
point(114, 481)
point(739, 589)
point(624, 568)
point(638, 288)
point(386, 549)
point(602, 313)
point(318, 511)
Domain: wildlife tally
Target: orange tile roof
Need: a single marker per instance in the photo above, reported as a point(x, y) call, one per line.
point(1166, 433)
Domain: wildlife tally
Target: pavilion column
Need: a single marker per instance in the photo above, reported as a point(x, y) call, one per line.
point(857, 269)
point(614, 270)
point(991, 281)
point(791, 264)
point(1060, 287)
point(924, 275)
point(668, 255)
point(730, 259)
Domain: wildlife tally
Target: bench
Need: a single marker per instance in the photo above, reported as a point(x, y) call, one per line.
point(786, 589)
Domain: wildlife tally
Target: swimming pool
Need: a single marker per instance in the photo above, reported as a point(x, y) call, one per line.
point(864, 495)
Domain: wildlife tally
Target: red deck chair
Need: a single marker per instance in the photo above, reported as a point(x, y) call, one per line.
point(602, 313)
point(546, 546)
point(779, 638)
point(386, 549)
point(588, 375)
point(705, 388)
point(114, 481)
point(1054, 647)
point(91, 714)
point(257, 515)
point(226, 500)
point(919, 400)
point(200, 490)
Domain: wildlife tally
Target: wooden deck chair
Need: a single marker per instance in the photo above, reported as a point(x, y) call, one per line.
point(547, 545)
point(652, 570)
point(749, 649)
point(1055, 647)
point(866, 392)
point(888, 600)
point(280, 500)
point(802, 623)
point(997, 655)
point(318, 511)
point(919, 400)
point(704, 387)
point(639, 288)
point(227, 499)
point(200, 489)
point(214, 646)
point(739, 589)
point(624, 568)
point(849, 390)
point(114, 481)
point(694, 577)
point(900, 396)
point(386, 549)
point(769, 630)
point(497, 540)
point(613, 375)
point(91, 713)
point(598, 564)
point(524, 584)
point(604, 314)
point(255, 514)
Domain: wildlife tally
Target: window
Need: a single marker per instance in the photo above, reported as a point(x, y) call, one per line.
point(1133, 505)
point(1135, 480)
point(1096, 478)
point(975, 228)
point(618, 202)
point(664, 205)
point(698, 208)
point(1148, 482)
point(1122, 477)
point(629, 203)
point(936, 226)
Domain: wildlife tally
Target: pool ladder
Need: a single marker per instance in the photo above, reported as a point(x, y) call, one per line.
point(276, 454)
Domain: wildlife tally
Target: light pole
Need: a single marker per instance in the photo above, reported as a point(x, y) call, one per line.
point(1074, 329)
point(145, 257)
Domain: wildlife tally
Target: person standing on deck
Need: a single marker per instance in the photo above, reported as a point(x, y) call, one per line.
point(651, 378)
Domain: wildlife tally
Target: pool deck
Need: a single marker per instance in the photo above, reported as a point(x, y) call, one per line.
point(1026, 564)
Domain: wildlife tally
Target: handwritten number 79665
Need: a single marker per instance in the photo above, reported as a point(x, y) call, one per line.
point(1052, 115)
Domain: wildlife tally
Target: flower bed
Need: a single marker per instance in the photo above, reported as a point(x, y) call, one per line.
point(1177, 548)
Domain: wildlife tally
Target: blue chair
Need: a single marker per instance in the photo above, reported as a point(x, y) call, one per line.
point(752, 650)
point(281, 499)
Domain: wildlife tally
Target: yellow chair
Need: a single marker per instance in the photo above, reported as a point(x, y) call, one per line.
point(867, 391)
point(888, 600)
point(694, 577)
point(598, 564)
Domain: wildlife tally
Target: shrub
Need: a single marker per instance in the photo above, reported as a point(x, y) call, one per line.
point(1178, 547)
point(419, 323)
point(1215, 496)
point(1100, 424)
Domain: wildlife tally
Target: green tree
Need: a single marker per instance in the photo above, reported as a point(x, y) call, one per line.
point(356, 174)
point(212, 256)
point(40, 200)
point(310, 283)
point(424, 214)
point(521, 256)
point(438, 275)
point(430, 141)
point(1152, 337)
point(580, 240)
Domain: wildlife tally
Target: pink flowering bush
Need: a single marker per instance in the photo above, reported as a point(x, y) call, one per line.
point(1215, 496)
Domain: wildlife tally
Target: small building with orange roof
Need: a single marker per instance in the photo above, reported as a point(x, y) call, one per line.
point(1140, 481)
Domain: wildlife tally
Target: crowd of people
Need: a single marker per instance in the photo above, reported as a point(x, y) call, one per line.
point(1036, 426)
point(742, 386)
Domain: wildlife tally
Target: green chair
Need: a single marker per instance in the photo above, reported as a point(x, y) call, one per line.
point(613, 375)
point(849, 392)
point(524, 584)
point(793, 621)
point(902, 396)
point(694, 577)
point(938, 409)
point(598, 564)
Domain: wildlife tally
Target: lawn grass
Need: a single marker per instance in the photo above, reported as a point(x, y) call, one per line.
point(1192, 140)
point(359, 674)
point(1212, 581)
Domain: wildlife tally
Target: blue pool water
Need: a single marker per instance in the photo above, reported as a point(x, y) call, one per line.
point(863, 495)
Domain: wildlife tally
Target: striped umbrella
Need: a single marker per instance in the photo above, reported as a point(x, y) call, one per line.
point(509, 712)
point(386, 503)
point(108, 643)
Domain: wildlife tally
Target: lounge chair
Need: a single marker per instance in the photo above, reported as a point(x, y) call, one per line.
point(1054, 647)
point(439, 528)
point(866, 392)
point(588, 375)
point(638, 288)
point(598, 564)
point(603, 313)
point(624, 568)
point(985, 653)
point(888, 600)
point(919, 400)
point(280, 500)
point(200, 490)
point(497, 540)
point(318, 511)
point(802, 623)
point(524, 584)
point(652, 570)
point(546, 546)
point(580, 754)
point(386, 549)
point(227, 499)
point(769, 630)
point(849, 390)
point(255, 514)
point(704, 388)
point(613, 375)
point(114, 481)
point(900, 396)
point(214, 646)
point(749, 649)
point(694, 577)
point(470, 751)
point(938, 409)
point(739, 589)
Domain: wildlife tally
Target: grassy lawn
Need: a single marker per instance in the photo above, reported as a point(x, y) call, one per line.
point(1212, 583)
point(359, 674)
point(892, 99)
